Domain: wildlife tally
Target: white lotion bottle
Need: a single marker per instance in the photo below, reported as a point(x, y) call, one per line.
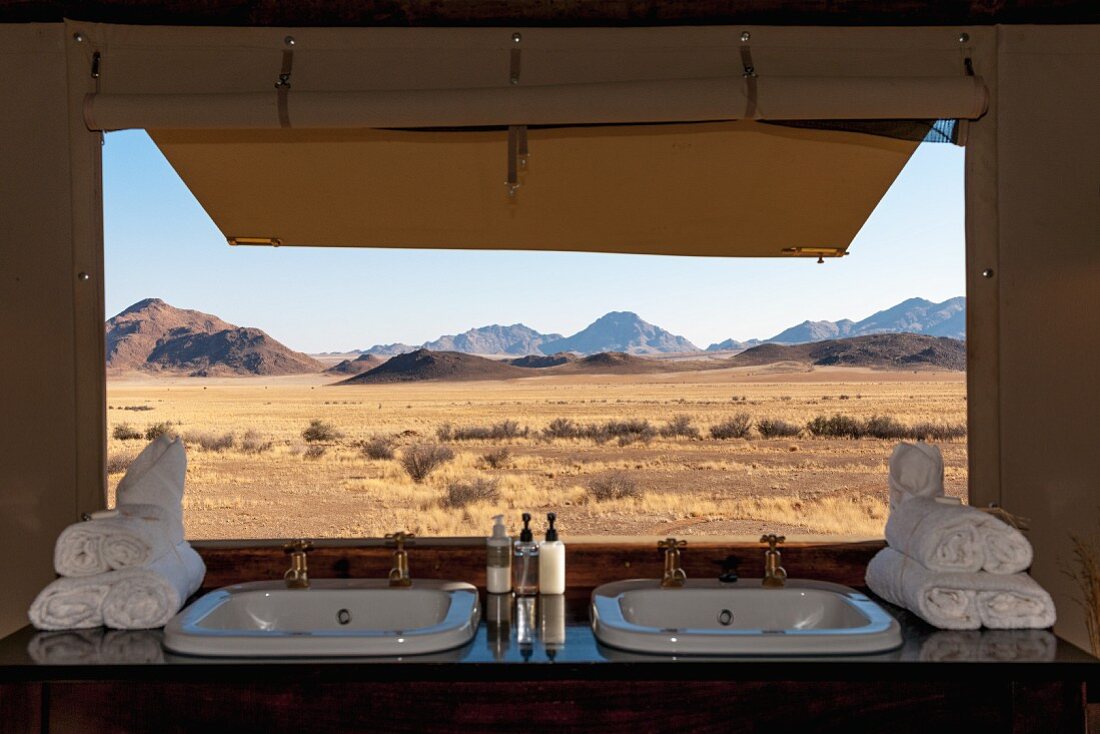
point(551, 561)
point(498, 565)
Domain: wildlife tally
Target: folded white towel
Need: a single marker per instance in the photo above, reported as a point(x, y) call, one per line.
point(134, 535)
point(916, 470)
point(75, 603)
point(956, 538)
point(96, 646)
point(133, 598)
point(1000, 645)
point(1006, 548)
point(156, 477)
point(142, 598)
point(960, 600)
point(942, 537)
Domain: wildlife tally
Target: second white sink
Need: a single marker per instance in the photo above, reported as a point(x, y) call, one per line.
point(708, 617)
point(332, 617)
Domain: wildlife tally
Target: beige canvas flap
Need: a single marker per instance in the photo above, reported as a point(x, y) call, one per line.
point(714, 189)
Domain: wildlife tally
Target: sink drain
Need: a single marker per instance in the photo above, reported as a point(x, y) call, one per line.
point(725, 617)
point(343, 616)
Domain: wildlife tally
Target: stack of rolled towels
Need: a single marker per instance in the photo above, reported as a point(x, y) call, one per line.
point(955, 566)
point(126, 568)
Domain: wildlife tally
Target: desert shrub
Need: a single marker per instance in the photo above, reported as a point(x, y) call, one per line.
point(378, 449)
point(119, 461)
point(156, 430)
point(626, 431)
point(464, 492)
point(883, 426)
point(497, 458)
point(125, 432)
point(777, 428)
point(497, 432)
point(315, 451)
point(420, 460)
point(561, 428)
point(211, 441)
point(736, 427)
point(613, 486)
point(137, 407)
point(927, 431)
point(320, 430)
point(679, 426)
point(836, 426)
point(253, 443)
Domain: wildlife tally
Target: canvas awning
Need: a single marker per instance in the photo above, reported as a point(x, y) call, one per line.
point(713, 189)
point(648, 140)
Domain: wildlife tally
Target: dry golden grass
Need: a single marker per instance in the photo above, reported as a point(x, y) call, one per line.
point(798, 485)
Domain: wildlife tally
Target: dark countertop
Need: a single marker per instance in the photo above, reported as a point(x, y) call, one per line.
point(553, 643)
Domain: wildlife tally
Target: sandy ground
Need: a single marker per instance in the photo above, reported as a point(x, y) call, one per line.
point(686, 486)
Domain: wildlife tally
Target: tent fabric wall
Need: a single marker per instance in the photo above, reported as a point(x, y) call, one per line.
point(1048, 275)
point(51, 378)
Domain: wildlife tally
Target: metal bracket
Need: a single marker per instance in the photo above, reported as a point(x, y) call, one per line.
point(95, 65)
point(514, 59)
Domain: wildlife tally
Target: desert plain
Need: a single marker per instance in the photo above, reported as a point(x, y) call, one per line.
point(252, 473)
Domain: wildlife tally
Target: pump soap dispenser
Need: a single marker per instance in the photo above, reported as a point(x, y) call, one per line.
point(552, 561)
point(498, 566)
point(525, 564)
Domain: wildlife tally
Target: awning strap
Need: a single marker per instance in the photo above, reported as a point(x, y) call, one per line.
point(749, 75)
point(282, 87)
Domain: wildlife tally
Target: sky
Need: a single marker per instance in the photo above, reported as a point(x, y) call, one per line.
point(160, 243)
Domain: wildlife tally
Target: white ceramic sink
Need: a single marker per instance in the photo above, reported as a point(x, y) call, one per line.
point(332, 617)
point(708, 617)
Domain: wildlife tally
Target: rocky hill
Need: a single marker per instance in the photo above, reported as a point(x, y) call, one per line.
point(890, 351)
point(620, 331)
point(153, 336)
point(362, 363)
point(427, 365)
point(493, 339)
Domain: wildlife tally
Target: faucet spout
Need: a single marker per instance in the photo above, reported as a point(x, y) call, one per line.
point(297, 576)
point(775, 576)
point(673, 576)
point(399, 574)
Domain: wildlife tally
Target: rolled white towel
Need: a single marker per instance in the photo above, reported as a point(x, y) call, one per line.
point(133, 598)
point(942, 537)
point(916, 470)
point(156, 477)
point(956, 538)
point(142, 598)
point(71, 603)
point(1006, 549)
point(135, 535)
point(1013, 602)
point(960, 600)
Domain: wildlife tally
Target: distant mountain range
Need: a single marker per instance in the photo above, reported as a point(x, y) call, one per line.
point(912, 316)
point(624, 331)
point(153, 336)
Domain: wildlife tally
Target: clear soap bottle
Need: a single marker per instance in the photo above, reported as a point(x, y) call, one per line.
point(498, 567)
point(525, 561)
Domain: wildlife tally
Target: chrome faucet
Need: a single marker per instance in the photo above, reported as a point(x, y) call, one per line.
point(399, 574)
point(775, 576)
point(673, 576)
point(297, 576)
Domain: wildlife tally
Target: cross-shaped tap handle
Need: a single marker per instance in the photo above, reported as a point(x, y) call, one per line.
point(772, 540)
